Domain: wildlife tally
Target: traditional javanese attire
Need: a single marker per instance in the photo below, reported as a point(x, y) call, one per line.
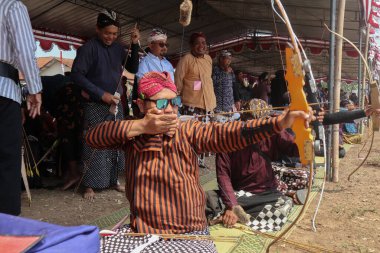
point(162, 177)
point(223, 86)
point(194, 83)
point(97, 69)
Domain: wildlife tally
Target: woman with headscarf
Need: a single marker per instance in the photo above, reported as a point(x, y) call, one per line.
point(97, 69)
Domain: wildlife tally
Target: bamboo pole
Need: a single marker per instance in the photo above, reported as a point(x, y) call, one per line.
point(364, 77)
point(364, 83)
point(331, 86)
point(338, 76)
point(360, 73)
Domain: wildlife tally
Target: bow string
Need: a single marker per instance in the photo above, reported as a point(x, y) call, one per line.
point(295, 74)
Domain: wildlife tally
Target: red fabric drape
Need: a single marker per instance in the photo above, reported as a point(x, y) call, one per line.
point(352, 53)
point(46, 45)
point(63, 45)
point(316, 50)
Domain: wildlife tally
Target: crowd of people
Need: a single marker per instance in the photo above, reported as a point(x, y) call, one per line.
point(160, 154)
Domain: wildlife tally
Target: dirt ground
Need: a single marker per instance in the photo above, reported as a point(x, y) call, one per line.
point(348, 219)
point(69, 208)
point(349, 216)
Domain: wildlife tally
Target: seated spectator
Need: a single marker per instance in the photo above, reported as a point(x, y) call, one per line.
point(249, 188)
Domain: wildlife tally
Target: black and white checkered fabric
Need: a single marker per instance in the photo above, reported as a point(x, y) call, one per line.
point(120, 243)
point(272, 218)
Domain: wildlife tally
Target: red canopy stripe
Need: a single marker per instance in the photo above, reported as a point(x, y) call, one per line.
point(64, 42)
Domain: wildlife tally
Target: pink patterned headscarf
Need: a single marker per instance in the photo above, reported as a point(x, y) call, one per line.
point(153, 82)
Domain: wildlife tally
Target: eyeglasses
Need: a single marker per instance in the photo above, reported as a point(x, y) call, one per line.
point(162, 44)
point(163, 103)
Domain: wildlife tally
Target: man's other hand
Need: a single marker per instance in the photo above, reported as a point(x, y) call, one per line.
point(33, 104)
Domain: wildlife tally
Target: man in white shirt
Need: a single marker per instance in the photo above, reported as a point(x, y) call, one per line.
point(17, 47)
point(155, 60)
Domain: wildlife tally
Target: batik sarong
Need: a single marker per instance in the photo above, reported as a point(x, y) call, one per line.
point(290, 179)
point(100, 167)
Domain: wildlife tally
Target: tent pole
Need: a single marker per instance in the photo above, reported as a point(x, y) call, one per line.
point(338, 80)
point(360, 75)
point(364, 88)
point(331, 85)
point(362, 25)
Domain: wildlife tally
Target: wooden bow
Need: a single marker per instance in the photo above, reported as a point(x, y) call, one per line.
point(304, 139)
point(295, 78)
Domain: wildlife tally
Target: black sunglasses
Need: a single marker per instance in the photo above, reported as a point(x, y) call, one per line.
point(162, 44)
point(164, 102)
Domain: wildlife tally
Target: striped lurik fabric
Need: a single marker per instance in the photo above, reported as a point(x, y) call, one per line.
point(17, 47)
point(162, 174)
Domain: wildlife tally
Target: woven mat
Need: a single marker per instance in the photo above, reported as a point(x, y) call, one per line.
point(110, 220)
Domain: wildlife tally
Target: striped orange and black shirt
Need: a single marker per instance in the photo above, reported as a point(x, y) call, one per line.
point(162, 174)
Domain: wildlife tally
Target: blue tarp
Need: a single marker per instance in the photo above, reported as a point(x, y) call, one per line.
point(56, 239)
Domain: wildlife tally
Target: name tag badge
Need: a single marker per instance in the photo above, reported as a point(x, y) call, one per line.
point(197, 85)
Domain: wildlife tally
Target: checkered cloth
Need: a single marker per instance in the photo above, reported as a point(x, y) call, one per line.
point(120, 243)
point(273, 210)
point(272, 217)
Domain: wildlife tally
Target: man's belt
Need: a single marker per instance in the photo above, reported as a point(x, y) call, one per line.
point(8, 71)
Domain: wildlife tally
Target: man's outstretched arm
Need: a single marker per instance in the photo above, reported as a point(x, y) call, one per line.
point(233, 136)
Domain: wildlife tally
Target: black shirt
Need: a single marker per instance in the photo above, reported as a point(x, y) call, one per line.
point(97, 67)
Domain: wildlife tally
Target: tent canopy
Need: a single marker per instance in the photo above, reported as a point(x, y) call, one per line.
point(222, 21)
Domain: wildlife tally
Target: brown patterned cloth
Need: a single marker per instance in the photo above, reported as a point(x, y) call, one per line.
point(290, 179)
